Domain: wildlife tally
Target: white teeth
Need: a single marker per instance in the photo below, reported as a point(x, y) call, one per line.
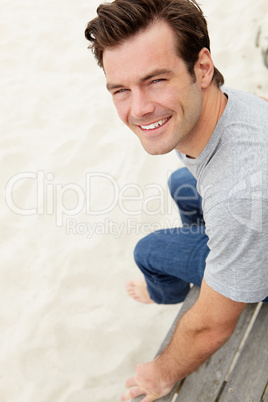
point(155, 125)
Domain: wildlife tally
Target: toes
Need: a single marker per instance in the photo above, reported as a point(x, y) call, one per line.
point(130, 285)
point(137, 289)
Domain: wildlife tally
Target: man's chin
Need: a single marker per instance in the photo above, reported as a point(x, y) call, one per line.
point(154, 146)
point(156, 150)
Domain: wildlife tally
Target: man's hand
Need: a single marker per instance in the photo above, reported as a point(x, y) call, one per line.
point(199, 333)
point(148, 381)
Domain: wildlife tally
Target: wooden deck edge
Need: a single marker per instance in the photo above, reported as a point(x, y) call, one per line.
point(243, 324)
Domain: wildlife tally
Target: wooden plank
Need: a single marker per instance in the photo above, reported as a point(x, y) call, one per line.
point(205, 384)
point(250, 375)
point(187, 304)
point(265, 396)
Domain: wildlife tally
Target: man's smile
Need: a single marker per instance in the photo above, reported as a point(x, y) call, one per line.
point(155, 125)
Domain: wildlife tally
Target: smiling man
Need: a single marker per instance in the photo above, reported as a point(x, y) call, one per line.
point(159, 71)
point(156, 98)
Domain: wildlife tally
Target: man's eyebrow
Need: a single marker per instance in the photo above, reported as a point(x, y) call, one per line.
point(111, 86)
point(152, 74)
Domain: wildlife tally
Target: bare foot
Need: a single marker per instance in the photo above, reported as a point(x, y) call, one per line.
point(137, 289)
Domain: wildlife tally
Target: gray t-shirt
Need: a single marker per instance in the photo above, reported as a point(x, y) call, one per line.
point(232, 179)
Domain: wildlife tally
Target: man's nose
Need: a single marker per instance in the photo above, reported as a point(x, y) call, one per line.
point(141, 105)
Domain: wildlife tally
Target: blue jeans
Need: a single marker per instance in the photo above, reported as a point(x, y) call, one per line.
point(171, 259)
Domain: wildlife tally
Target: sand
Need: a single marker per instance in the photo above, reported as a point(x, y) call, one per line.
point(78, 192)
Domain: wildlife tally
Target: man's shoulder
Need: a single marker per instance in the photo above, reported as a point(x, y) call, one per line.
point(245, 107)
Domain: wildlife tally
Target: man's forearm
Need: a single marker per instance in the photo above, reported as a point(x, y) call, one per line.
point(200, 332)
point(191, 345)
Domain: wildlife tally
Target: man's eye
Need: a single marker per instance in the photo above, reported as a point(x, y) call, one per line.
point(158, 80)
point(120, 91)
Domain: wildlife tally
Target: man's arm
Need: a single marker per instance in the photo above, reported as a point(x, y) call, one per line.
point(199, 333)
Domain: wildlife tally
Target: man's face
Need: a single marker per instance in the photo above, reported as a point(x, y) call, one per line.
point(153, 92)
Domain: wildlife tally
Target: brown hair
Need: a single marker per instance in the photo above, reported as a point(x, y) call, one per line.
point(121, 19)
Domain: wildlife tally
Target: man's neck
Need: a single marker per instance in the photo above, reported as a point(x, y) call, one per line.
point(214, 104)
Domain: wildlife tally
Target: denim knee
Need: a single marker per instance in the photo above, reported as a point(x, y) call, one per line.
point(142, 250)
point(179, 182)
point(138, 252)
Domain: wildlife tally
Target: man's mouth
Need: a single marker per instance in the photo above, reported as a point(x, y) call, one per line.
point(156, 125)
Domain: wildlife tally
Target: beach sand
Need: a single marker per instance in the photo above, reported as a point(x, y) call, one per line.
point(78, 192)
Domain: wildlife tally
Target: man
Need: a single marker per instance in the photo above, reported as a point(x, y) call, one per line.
point(157, 62)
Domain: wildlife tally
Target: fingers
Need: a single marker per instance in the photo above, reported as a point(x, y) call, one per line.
point(148, 399)
point(131, 382)
point(132, 393)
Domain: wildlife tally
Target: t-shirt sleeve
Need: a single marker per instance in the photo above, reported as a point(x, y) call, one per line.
point(237, 265)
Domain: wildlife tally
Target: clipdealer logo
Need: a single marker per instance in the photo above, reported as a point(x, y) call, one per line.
point(117, 229)
point(99, 195)
point(250, 190)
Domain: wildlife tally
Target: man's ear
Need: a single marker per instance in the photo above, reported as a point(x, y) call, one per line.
point(204, 68)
